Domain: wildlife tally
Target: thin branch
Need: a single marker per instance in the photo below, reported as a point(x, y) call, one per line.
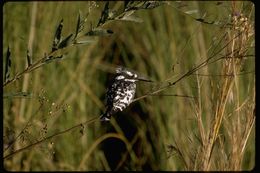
point(188, 73)
point(176, 95)
point(57, 49)
point(225, 75)
point(32, 67)
point(25, 127)
point(51, 136)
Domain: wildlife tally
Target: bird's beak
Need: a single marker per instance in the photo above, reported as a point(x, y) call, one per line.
point(145, 80)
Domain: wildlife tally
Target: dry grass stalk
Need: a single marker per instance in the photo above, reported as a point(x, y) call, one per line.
point(231, 66)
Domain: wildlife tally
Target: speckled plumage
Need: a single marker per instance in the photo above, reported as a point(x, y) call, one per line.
point(120, 93)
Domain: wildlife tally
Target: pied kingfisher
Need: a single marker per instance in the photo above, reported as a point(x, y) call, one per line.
point(120, 92)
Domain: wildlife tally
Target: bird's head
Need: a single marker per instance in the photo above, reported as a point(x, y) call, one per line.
point(128, 75)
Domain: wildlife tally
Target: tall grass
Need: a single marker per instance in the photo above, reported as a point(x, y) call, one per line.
point(199, 114)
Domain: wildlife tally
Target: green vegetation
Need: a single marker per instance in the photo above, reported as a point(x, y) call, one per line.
point(199, 114)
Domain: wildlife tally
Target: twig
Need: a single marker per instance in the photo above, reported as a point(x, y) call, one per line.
point(51, 136)
point(22, 131)
point(105, 18)
point(225, 75)
point(188, 73)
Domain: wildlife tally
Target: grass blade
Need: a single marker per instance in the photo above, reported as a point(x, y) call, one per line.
point(8, 64)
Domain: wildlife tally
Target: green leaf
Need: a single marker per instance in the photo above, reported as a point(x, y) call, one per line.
point(104, 15)
point(8, 64)
point(127, 5)
point(151, 4)
point(80, 25)
point(131, 19)
point(99, 32)
point(65, 42)
point(85, 41)
point(191, 11)
point(57, 37)
point(203, 21)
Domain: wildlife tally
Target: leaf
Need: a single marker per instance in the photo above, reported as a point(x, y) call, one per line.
point(53, 58)
point(191, 11)
point(99, 32)
point(8, 64)
point(127, 5)
point(64, 42)
point(57, 37)
point(131, 18)
point(151, 4)
point(203, 21)
point(125, 15)
point(104, 15)
point(80, 25)
point(111, 14)
point(29, 59)
point(85, 41)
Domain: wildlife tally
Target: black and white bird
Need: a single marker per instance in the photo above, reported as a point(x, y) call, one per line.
point(121, 92)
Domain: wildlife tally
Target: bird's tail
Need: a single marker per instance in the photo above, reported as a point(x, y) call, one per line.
point(105, 116)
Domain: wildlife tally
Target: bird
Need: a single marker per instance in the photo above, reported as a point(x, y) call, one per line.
point(121, 91)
